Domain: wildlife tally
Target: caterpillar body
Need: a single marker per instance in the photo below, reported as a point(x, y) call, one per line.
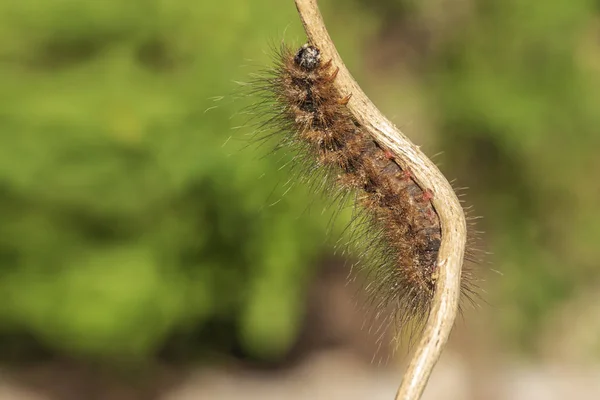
point(403, 235)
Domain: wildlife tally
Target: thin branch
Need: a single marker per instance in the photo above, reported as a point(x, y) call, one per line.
point(450, 258)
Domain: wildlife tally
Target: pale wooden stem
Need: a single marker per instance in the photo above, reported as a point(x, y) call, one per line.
point(450, 258)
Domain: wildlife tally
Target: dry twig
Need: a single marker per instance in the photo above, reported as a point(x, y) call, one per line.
point(450, 259)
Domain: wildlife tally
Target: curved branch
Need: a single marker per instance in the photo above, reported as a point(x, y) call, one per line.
point(445, 303)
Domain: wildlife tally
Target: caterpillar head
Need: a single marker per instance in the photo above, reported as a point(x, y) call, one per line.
point(308, 57)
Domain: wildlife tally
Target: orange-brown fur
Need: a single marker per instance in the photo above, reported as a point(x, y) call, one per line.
point(403, 231)
point(399, 208)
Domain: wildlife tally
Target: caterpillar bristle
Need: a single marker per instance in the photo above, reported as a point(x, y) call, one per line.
point(395, 231)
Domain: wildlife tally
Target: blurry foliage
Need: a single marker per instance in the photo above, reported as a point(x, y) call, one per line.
point(125, 218)
point(519, 114)
point(513, 92)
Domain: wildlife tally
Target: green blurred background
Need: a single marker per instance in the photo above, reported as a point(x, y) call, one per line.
point(135, 219)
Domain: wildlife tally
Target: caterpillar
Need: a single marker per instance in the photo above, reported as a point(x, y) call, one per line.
point(396, 222)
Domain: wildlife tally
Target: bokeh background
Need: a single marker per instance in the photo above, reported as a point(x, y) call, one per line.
point(149, 251)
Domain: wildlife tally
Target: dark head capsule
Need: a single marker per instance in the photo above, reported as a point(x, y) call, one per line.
point(308, 57)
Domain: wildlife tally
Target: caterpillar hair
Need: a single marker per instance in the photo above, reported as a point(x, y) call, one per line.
point(395, 228)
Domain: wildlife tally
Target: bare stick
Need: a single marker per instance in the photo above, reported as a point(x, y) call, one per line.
point(450, 258)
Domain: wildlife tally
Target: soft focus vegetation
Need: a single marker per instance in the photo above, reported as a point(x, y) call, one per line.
point(128, 217)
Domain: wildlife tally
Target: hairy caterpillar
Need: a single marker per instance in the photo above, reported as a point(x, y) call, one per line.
point(396, 220)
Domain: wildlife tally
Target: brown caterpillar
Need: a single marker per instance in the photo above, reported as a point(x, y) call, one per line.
point(403, 234)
